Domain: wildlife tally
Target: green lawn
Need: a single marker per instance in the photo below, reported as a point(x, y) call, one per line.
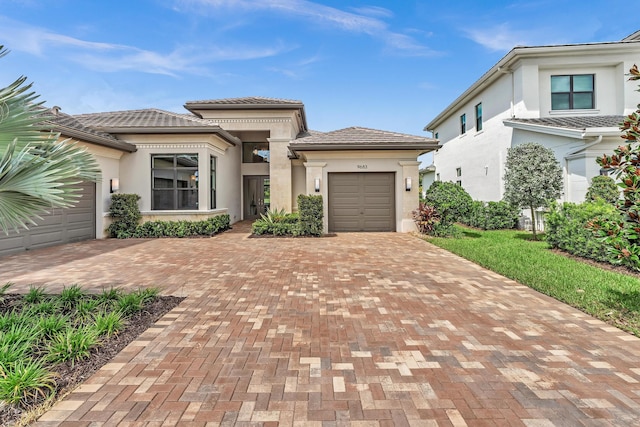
point(609, 296)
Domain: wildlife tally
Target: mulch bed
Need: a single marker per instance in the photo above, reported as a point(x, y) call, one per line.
point(73, 375)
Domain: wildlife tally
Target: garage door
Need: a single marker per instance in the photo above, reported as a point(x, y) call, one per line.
point(59, 226)
point(362, 201)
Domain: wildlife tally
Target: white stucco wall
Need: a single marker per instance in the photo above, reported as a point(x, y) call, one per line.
point(319, 164)
point(135, 173)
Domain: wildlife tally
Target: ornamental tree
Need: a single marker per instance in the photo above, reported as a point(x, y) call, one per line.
point(533, 178)
point(623, 237)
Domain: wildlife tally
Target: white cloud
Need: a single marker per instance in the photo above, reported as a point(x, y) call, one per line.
point(364, 20)
point(116, 57)
point(498, 37)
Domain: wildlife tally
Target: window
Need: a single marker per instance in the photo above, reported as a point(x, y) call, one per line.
point(573, 92)
point(212, 167)
point(463, 124)
point(479, 117)
point(458, 171)
point(436, 135)
point(255, 152)
point(437, 177)
point(174, 181)
point(459, 183)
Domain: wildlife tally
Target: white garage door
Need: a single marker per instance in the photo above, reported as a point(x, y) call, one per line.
point(59, 226)
point(362, 201)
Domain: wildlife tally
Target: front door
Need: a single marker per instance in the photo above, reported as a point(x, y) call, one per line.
point(257, 196)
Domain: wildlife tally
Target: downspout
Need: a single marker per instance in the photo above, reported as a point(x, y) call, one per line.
point(597, 141)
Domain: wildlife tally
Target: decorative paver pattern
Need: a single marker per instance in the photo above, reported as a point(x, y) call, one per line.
point(369, 329)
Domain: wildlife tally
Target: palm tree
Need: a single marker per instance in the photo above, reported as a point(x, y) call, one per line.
point(37, 172)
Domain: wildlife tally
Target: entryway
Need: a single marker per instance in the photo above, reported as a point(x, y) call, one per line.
point(257, 196)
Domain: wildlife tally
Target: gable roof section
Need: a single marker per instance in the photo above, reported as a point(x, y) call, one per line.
point(574, 126)
point(249, 103)
point(69, 126)
point(152, 121)
point(360, 138)
point(520, 52)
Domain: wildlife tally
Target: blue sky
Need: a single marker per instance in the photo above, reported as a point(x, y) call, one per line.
point(391, 65)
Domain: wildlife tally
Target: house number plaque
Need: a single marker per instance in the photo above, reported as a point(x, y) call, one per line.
point(362, 166)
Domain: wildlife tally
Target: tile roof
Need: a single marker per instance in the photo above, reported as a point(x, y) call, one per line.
point(574, 122)
point(146, 118)
point(247, 101)
point(359, 136)
point(69, 126)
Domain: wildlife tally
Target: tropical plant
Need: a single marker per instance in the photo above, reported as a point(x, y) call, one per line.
point(25, 382)
point(533, 178)
point(37, 172)
point(72, 345)
point(623, 236)
point(603, 187)
point(426, 217)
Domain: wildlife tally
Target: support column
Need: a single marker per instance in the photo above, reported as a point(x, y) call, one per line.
point(280, 173)
point(409, 199)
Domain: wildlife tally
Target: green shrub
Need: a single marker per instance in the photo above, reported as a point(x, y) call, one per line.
point(72, 345)
point(277, 223)
point(603, 187)
point(450, 200)
point(109, 324)
point(311, 215)
point(70, 296)
point(183, 228)
point(476, 215)
point(125, 215)
point(501, 216)
point(566, 228)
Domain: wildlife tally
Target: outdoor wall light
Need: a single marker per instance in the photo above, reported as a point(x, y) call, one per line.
point(407, 183)
point(114, 185)
point(316, 185)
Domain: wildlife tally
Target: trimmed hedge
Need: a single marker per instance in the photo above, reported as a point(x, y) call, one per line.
point(566, 228)
point(125, 215)
point(311, 215)
point(491, 215)
point(183, 228)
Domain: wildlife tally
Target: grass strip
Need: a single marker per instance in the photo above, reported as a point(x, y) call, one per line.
point(607, 295)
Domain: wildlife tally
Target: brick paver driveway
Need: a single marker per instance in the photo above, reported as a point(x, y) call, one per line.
point(358, 329)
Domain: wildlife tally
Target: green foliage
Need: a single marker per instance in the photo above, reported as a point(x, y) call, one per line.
point(492, 215)
point(567, 228)
point(311, 215)
point(35, 295)
point(130, 303)
point(72, 345)
point(623, 236)
point(70, 296)
point(50, 326)
point(37, 172)
point(125, 215)
point(533, 178)
point(603, 187)
point(451, 201)
point(25, 382)
point(426, 218)
point(109, 324)
point(307, 222)
point(183, 228)
point(609, 296)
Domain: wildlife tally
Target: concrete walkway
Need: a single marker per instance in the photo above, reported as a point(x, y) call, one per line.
point(363, 329)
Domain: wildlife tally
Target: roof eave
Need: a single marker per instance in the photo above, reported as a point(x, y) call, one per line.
point(226, 136)
point(565, 132)
point(425, 148)
point(96, 139)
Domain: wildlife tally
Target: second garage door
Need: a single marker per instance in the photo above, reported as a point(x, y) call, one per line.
point(362, 201)
point(57, 227)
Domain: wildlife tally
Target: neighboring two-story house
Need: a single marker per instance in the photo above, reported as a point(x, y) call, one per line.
point(239, 156)
point(569, 98)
